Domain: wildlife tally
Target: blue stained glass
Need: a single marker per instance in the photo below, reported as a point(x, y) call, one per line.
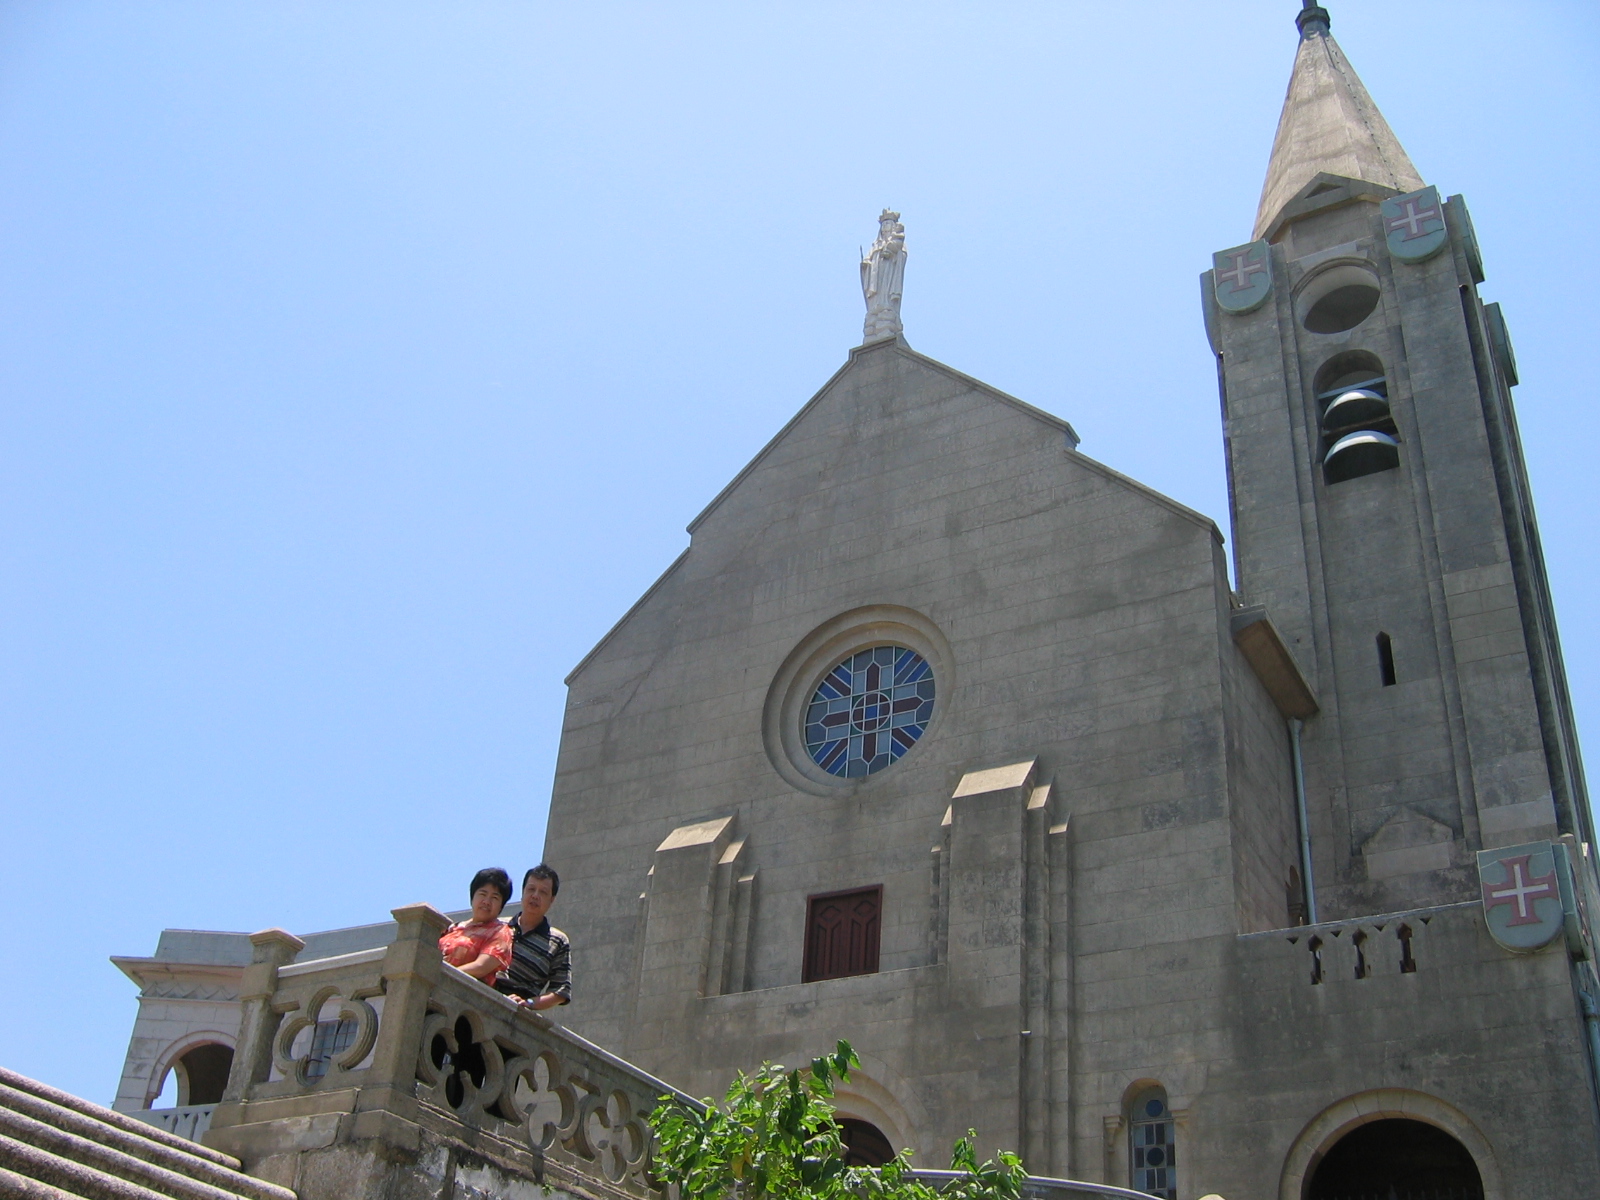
point(869, 710)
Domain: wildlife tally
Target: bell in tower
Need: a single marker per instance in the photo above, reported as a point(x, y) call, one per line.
point(1381, 508)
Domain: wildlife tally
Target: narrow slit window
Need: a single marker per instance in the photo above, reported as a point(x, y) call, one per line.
point(1408, 965)
point(1386, 659)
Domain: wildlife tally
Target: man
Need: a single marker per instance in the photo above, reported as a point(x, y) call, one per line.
point(540, 975)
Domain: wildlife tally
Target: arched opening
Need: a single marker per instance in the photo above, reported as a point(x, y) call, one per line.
point(1397, 1157)
point(1339, 298)
point(1343, 308)
point(1352, 369)
point(864, 1143)
point(1358, 435)
point(200, 1074)
point(1152, 1145)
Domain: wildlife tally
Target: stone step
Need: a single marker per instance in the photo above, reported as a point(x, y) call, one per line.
point(55, 1146)
point(18, 1106)
point(73, 1178)
point(116, 1120)
point(20, 1187)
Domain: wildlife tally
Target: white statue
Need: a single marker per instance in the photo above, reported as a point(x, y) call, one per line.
point(883, 269)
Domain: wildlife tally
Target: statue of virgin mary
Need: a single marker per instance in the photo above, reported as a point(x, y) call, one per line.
point(883, 269)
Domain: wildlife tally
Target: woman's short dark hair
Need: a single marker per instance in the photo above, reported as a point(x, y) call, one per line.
point(544, 871)
point(494, 877)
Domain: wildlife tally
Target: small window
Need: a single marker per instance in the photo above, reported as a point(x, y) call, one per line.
point(842, 934)
point(1152, 1149)
point(331, 1038)
point(1386, 659)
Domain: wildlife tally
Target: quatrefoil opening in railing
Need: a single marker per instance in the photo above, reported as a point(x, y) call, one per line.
point(460, 1067)
point(310, 1048)
point(611, 1134)
point(541, 1099)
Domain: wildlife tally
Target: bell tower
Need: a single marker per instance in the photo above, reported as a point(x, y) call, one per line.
point(1381, 509)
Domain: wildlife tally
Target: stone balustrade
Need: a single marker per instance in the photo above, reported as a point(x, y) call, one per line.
point(385, 1073)
point(1388, 944)
point(187, 1121)
point(353, 1070)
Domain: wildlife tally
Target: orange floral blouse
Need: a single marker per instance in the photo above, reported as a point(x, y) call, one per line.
point(465, 942)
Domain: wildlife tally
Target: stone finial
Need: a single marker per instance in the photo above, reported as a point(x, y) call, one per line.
point(883, 270)
point(419, 920)
point(1312, 18)
point(275, 946)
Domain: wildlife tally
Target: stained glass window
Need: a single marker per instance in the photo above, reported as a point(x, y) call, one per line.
point(869, 710)
point(1153, 1148)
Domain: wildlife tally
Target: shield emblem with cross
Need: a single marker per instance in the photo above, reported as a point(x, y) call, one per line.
point(1414, 225)
point(1242, 277)
point(1522, 901)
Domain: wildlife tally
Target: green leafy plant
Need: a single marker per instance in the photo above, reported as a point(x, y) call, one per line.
point(774, 1135)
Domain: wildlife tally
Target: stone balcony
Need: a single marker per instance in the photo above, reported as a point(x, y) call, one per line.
point(386, 1073)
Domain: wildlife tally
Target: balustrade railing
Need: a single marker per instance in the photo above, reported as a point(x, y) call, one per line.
point(188, 1121)
point(1361, 948)
point(395, 1031)
point(390, 1043)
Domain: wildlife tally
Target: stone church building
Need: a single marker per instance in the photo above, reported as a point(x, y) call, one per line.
point(946, 739)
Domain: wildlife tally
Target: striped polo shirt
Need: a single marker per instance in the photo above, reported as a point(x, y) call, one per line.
point(541, 962)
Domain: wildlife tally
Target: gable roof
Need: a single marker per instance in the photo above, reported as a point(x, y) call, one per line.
point(897, 346)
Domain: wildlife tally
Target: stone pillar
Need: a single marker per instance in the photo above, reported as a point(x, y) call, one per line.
point(411, 967)
point(258, 1024)
point(678, 927)
point(987, 933)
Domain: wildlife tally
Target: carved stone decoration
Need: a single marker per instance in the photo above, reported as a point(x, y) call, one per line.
point(612, 1135)
point(460, 1067)
point(1413, 225)
point(1242, 277)
point(349, 1008)
point(1523, 901)
point(536, 1092)
point(883, 271)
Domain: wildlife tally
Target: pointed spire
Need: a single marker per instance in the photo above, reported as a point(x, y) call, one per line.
point(1329, 125)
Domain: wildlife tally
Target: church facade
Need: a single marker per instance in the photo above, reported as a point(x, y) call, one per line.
point(944, 738)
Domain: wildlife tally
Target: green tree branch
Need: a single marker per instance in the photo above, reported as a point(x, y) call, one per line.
point(774, 1135)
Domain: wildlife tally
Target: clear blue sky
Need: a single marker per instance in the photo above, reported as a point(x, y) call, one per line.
point(361, 363)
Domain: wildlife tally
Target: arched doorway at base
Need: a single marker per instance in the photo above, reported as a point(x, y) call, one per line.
point(864, 1143)
point(1395, 1159)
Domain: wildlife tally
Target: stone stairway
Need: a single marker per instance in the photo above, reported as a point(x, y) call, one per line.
point(54, 1146)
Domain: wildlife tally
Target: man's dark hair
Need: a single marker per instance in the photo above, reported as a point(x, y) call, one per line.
point(494, 877)
point(544, 871)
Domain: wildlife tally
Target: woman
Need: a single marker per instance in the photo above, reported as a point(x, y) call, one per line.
point(482, 946)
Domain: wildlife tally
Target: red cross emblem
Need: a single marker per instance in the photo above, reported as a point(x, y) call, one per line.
point(1414, 213)
point(1242, 269)
point(1521, 889)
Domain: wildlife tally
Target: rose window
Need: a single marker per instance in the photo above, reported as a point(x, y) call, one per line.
point(869, 710)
